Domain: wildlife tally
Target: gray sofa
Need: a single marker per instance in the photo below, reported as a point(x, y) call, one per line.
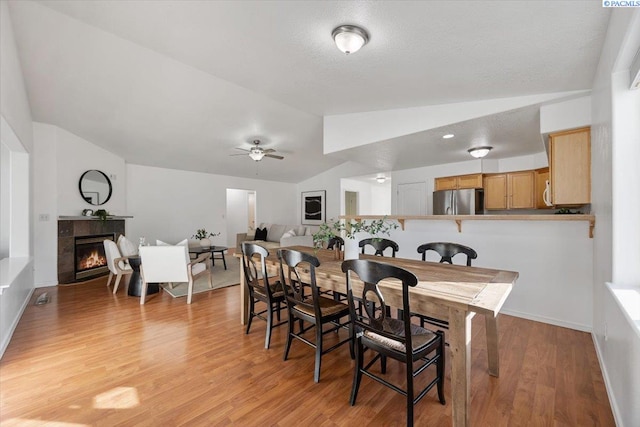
point(278, 236)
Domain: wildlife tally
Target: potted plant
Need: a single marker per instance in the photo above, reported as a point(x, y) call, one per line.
point(374, 227)
point(203, 235)
point(102, 214)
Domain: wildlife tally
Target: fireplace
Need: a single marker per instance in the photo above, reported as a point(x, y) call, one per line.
point(72, 228)
point(90, 259)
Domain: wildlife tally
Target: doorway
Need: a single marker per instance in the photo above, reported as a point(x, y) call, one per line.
point(350, 205)
point(241, 213)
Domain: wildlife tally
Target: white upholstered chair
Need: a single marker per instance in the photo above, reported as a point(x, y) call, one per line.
point(171, 264)
point(117, 263)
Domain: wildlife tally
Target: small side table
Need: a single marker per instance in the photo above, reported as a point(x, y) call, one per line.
point(135, 280)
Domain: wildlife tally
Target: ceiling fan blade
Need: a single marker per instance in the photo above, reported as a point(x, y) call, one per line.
point(238, 148)
point(273, 156)
point(243, 154)
point(269, 150)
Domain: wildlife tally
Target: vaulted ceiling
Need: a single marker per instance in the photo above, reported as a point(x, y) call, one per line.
point(182, 84)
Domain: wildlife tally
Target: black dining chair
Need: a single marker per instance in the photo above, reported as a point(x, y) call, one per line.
point(336, 243)
point(446, 251)
point(314, 309)
point(399, 339)
point(260, 290)
point(379, 245)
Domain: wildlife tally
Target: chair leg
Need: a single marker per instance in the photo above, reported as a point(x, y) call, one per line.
point(190, 290)
point(440, 368)
point(316, 374)
point(109, 279)
point(357, 372)
point(143, 292)
point(278, 306)
point(287, 346)
point(210, 279)
point(115, 286)
point(409, 393)
point(252, 310)
point(383, 363)
point(267, 340)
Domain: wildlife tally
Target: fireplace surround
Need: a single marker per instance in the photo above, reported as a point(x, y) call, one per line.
point(80, 228)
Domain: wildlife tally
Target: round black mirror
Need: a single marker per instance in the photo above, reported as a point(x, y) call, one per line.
point(95, 187)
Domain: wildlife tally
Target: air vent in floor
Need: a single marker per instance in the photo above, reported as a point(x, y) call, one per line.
point(42, 299)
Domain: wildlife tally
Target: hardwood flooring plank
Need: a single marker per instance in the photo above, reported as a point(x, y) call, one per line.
point(93, 358)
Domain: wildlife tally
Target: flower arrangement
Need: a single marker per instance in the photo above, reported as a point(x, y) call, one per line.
point(374, 227)
point(202, 233)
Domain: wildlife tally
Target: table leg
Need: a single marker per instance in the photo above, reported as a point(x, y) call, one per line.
point(244, 300)
point(460, 350)
point(224, 261)
point(491, 323)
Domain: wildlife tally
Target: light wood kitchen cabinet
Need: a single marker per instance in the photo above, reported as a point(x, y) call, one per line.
point(542, 176)
point(570, 167)
point(514, 190)
point(458, 182)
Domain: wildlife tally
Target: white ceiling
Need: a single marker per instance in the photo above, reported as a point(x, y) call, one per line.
point(180, 84)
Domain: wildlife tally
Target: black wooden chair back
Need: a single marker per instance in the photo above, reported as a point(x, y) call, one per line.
point(447, 251)
point(380, 245)
point(296, 263)
point(255, 269)
point(336, 242)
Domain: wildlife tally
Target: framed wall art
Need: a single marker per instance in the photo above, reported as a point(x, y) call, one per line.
point(313, 207)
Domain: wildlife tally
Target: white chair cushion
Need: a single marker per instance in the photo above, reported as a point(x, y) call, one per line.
point(198, 268)
point(184, 243)
point(126, 246)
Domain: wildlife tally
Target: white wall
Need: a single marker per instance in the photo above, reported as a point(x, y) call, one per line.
point(171, 205)
point(553, 259)
point(560, 116)
point(16, 189)
point(60, 159)
point(615, 189)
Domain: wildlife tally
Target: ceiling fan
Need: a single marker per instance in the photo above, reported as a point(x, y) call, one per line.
point(257, 153)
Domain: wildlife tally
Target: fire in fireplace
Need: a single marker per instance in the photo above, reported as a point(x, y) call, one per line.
point(91, 260)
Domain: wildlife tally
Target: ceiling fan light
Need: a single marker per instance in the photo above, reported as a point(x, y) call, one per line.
point(479, 152)
point(256, 155)
point(349, 38)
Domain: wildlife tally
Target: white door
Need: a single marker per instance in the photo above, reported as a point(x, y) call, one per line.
point(412, 199)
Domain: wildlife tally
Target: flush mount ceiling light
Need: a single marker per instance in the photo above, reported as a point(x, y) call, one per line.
point(447, 136)
point(350, 38)
point(479, 152)
point(381, 179)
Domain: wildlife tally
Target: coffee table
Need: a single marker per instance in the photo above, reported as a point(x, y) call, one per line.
point(213, 249)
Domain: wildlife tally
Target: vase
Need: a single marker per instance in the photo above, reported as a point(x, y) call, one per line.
point(351, 248)
point(205, 243)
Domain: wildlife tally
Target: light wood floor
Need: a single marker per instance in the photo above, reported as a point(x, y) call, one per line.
point(92, 358)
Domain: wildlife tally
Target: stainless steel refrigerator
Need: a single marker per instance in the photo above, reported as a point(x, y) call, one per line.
point(458, 202)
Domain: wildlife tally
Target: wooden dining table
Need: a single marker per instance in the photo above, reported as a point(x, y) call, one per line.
point(453, 293)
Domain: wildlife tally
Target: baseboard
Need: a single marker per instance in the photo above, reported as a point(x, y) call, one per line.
point(14, 324)
point(607, 382)
point(549, 320)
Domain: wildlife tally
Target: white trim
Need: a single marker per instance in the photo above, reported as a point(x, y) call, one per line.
point(14, 324)
point(607, 383)
point(630, 300)
point(549, 320)
point(10, 269)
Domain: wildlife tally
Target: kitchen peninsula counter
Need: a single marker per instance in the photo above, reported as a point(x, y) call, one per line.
point(591, 219)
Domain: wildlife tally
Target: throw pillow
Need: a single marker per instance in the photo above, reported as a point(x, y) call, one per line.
point(126, 247)
point(290, 233)
point(261, 234)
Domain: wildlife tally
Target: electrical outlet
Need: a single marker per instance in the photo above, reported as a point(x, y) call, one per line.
point(44, 217)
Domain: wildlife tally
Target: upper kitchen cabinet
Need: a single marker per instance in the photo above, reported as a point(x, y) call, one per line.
point(570, 167)
point(514, 190)
point(459, 182)
point(542, 178)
